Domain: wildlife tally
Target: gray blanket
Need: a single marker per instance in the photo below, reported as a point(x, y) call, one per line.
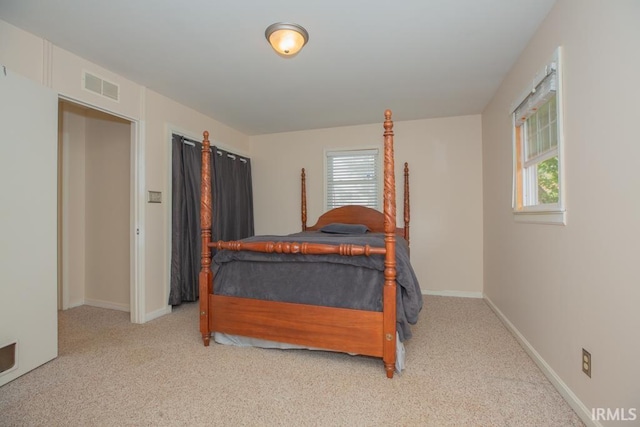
point(330, 280)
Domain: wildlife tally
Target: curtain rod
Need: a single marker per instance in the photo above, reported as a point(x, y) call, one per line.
point(232, 156)
point(189, 141)
point(193, 143)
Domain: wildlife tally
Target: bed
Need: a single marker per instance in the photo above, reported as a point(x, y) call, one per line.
point(332, 287)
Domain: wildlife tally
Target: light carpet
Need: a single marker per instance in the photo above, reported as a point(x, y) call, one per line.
point(463, 369)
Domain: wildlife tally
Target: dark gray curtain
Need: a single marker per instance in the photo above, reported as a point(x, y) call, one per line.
point(185, 221)
point(232, 210)
point(233, 196)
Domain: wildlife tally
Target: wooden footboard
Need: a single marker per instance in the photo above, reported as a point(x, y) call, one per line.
point(353, 331)
point(338, 329)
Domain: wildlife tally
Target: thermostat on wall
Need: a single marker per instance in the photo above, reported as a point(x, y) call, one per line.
point(154, 197)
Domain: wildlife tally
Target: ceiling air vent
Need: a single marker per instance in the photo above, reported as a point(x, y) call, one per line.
point(100, 86)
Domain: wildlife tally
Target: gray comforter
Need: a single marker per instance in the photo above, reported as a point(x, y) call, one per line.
point(330, 280)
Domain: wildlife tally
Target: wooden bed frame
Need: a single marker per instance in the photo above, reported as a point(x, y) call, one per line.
point(345, 330)
point(356, 214)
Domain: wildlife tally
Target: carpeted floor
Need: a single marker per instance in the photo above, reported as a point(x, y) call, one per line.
point(463, 369)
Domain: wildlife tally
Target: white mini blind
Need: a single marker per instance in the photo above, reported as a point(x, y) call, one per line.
point(543, 91)
point(353, 178)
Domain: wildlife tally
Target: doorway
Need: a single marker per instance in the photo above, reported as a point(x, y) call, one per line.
point(94, 208)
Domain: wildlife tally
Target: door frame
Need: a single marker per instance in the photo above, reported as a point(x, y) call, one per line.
point(136, 215)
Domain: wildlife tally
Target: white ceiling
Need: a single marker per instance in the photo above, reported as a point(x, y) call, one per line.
point(420, 58)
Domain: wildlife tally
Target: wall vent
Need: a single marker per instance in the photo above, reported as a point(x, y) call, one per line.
point(7, 357)
point(102, 87)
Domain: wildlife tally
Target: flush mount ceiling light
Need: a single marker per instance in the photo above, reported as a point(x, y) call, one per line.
point(286, 39)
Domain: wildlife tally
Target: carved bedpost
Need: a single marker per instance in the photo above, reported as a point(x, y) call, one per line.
point(205, 278)
point(304, 200)
point(407, 208)
point(389, 295)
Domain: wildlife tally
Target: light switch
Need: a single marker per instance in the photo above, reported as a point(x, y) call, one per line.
point(154, 197)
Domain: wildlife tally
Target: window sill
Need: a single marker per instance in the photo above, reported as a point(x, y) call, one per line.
point(541, 217)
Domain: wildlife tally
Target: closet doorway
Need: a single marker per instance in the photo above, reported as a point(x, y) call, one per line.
point(94, 208)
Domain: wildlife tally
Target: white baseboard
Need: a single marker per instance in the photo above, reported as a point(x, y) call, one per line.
point(156, 314)
point(75, 304)
point(99, 304)
point(107, 304)
point(459, 294)
point(123, 307)
point(576, 404)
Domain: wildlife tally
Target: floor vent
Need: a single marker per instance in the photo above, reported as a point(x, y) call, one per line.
point(102, 87)
point(7, 357)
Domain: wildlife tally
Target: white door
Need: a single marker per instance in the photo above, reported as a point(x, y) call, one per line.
point(28, 222)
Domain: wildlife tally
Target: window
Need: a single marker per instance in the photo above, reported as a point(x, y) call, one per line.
point(352, 178)
point(538, 185)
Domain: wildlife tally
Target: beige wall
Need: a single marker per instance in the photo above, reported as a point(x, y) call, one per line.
point(72, 168)
point(445, 161)
point(107, 232)
point(157, 116)
point(584, 289)
point(21, 51)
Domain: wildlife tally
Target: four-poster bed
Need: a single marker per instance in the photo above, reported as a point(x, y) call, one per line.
point(279, 288)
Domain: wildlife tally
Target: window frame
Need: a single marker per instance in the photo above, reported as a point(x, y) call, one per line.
point(346, 152)
point(554, 213)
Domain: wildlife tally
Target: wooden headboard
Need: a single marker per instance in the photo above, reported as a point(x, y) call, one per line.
point(353, 214)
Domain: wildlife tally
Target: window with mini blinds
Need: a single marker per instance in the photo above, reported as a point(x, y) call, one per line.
point(352, 178)
point(538, 187)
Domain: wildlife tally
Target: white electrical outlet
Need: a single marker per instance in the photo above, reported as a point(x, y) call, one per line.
point(586, 362)
point(154, 197)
